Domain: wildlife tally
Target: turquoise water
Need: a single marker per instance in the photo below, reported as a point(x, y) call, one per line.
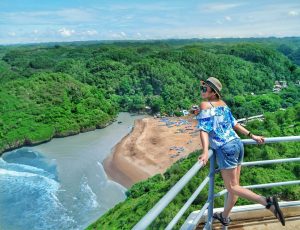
point(60, 184)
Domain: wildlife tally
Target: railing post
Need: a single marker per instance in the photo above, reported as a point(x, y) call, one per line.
point(211, 192)
point(225, 204)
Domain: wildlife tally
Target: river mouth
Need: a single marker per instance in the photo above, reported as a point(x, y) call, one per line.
point(61, 184)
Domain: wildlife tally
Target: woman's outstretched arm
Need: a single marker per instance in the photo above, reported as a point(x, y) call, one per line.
point(242, 130)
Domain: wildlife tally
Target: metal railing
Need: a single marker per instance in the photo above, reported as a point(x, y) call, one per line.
point(209, 205)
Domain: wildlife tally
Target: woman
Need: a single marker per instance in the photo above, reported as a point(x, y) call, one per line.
point(217, 130)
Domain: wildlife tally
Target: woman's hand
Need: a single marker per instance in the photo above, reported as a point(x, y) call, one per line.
point(203, 157)
point(258, 139)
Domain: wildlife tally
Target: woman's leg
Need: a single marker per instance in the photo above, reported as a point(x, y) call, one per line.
point(231, 181)
point(231, 198)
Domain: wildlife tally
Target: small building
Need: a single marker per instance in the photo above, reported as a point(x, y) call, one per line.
point(279, 85)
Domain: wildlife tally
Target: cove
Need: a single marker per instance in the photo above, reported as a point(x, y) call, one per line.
point(61, 184)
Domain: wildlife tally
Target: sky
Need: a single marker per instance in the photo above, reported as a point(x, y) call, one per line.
point(36, 21)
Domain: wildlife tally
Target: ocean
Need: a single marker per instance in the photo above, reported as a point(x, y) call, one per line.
point(61, 184)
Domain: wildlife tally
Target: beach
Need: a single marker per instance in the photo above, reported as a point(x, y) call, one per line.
point(153, 146)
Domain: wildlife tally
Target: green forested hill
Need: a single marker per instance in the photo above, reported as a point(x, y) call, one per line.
point(144, 195)
point(47, 105)
point(128, 76)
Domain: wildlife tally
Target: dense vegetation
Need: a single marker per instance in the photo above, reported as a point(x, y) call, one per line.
point(143, 196)
point(62, 89)
point(47, 105)
point(65, 88)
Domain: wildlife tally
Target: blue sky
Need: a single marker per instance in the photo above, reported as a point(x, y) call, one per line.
point(31, 21)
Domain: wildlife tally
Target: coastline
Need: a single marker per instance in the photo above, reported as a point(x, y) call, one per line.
point(74, 165)
point(30, 143)
point(150, 148)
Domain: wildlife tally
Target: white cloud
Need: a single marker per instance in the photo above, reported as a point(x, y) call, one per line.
point(228, 18)
point(46, 17)
point(65, 32)
point(90, 32)
point(154, 6)
point(120, 35)
point(115, 36)
point(220, 22)
point(128, 17)
point(219, 7)
point(293, 13)
point(13, 34)
point(76, 15)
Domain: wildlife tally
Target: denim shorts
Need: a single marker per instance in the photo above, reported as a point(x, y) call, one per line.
point(230, 155)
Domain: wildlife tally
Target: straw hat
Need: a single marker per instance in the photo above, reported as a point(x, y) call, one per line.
point(215, 84)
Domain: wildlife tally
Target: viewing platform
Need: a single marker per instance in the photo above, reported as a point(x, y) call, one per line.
point(250, 217)
point(247, 217)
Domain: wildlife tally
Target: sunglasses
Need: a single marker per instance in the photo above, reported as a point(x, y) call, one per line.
point(203, 88)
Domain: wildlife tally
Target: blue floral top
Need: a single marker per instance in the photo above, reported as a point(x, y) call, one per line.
point(218, 122)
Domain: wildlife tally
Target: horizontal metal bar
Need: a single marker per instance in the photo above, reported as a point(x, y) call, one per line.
point(169, 196)
point(276, 184)
point(249, 118)
point(272, 140)
point(221, 193)
point(252, 207)
point(187, 204)
point(198, 217)
point(265, 162)
point(273, 184)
